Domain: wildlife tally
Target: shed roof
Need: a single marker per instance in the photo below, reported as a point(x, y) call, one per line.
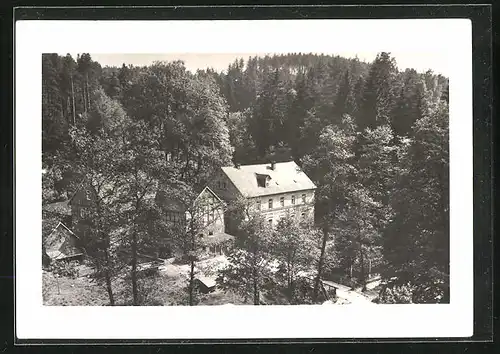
point(285, 177)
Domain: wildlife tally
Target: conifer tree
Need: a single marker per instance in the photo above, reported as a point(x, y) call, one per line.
point(378, 95)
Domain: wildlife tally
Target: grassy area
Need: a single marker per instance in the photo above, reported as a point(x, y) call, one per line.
point(63, 291)
point(167, 288)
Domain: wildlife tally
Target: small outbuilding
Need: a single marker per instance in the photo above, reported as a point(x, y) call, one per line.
point(63, 244)
point(205, 284)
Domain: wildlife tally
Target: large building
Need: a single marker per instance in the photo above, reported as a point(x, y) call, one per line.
point(273, 190)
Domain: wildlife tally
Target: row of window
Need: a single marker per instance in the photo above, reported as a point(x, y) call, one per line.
point(175, 217)
point(282, 202)
point(303, 215)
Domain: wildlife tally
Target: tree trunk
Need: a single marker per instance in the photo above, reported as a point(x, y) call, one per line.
point(133, 273)
point(191, 283)
point(320, 264)
point(88, 94)
point(68, 109)
point(363, 275)
point(73, 100)
point(256, 298)
point(192, 260)
point(109, 289)
point(107, 276)
point(84, 99)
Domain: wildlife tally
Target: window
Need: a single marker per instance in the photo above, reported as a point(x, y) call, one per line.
point(303, 198)
point(258, 204)
point(270, 221)
point(270, 204)
point(282, 201)
point(210, 233)
point(293, 199)
point(200, 235)
point(223, 185)
point(303, 215)
point(87, 194)
point(263, 180)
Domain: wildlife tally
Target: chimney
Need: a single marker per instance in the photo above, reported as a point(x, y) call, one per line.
point(273, 165)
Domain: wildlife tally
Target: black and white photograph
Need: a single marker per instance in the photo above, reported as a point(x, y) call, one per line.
point(278, 175)
point(282, 179)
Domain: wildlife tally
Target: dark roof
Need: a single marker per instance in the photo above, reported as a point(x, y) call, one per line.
point(285, 177)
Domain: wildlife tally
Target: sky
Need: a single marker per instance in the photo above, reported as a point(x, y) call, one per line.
point(434, 44)
point(418, 60)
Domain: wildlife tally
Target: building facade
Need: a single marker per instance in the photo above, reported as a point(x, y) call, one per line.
point(81, 204)
point(205, 217)
point(273, 190)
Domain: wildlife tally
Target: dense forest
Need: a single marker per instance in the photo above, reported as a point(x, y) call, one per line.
point(373, 138)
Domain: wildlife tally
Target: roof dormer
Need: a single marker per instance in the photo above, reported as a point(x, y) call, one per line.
point(262, 180)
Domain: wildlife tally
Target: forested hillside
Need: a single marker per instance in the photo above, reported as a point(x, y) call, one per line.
point(374, 140)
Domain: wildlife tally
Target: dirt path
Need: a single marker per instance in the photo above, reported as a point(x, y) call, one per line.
point(352, 296)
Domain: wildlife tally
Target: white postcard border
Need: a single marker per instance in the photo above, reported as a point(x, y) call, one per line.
point(452, 37)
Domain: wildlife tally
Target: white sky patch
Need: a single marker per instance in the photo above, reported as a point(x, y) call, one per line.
point(420, 61)
point(421, 44)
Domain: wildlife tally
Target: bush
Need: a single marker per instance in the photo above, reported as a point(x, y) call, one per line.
point(64, 269)
point(402, 294)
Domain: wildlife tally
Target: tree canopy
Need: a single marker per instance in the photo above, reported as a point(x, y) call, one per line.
point(373, 138)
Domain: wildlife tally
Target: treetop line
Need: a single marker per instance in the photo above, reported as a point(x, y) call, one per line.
point(371, 141)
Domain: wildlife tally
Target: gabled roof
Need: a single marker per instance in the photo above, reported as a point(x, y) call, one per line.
point(172, 204)
point(60, 224)
point(55, 241)
point(286, 177)
point(211, 192)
